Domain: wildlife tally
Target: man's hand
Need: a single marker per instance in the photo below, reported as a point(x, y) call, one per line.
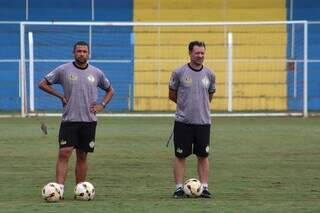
point(96, 108)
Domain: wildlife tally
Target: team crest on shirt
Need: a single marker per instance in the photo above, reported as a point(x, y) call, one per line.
point(90, 78)
point(205, 81)
point(73, 77)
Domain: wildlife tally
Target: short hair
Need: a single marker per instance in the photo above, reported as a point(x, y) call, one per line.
point(80, 43)
point(196, 43)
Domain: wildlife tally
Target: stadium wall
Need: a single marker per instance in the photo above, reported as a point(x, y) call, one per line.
point(144, 10)
point(156, 48)
point(307, 10)
point(113, 45)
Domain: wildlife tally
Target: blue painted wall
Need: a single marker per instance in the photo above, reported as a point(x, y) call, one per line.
point(305, 10)
point(13, 10)
point(107, 44)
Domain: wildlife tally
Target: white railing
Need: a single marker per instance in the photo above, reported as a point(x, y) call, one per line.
point(25, 106)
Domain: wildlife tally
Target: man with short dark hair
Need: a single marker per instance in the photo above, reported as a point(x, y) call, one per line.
point(80, 82)
point(192, 87)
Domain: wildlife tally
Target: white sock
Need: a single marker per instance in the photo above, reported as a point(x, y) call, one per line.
point(179, 185)
point(205, 185)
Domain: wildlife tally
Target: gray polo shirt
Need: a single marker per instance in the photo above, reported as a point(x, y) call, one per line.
point(80, 87)
point(193, 88)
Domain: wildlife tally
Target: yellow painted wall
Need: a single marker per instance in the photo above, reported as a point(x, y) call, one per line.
point(259, 80)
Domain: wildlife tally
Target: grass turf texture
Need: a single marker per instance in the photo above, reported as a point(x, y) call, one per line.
point(257, 165)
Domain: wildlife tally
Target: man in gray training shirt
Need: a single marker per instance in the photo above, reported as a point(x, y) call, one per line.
point(192, 87)
point(80, 82)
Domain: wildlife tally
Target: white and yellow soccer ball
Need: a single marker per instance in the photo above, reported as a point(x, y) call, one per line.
point(192, 187)
point(51, 192)
point(84, 191)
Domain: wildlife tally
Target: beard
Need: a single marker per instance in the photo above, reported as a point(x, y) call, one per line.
point(81, 60)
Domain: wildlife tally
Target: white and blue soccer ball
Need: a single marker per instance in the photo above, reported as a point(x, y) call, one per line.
point(51, 192)
point(84, 191)
point(192, 187)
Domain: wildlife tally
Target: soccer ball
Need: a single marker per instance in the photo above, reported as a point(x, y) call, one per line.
point(192, 187)
point(51, 192)
point(84, 191)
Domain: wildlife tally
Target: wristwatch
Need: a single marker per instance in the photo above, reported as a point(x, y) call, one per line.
point(103, 104)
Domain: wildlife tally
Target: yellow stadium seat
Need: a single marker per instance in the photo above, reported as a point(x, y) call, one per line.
point(259, 52)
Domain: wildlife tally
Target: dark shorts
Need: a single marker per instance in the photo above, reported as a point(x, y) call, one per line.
point(191, 138)
point(80, 135)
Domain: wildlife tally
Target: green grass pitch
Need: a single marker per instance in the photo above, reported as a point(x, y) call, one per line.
point(256, 165)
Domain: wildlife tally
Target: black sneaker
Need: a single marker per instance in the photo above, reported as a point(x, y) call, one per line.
point(179, 193)
point(205, 193)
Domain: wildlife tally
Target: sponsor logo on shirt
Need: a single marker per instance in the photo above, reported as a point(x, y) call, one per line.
point(91, 79)
point(187, 79)
point(73, 77)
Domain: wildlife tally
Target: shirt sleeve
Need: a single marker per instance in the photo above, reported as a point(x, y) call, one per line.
point(174, 81)
point(104, 82)
point(54, 77)
point(212, 84)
